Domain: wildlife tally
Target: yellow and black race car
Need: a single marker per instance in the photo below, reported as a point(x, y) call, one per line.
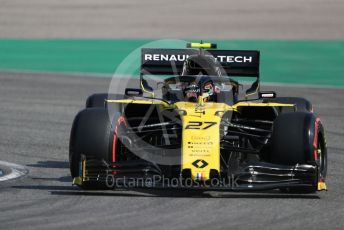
point(196, 129)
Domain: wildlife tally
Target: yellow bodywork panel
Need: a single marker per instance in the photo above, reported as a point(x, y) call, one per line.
point(322, 186)
point(192, 105)
point(77, 180)
point(257, 104)
point(202, 45)
point(201, 137)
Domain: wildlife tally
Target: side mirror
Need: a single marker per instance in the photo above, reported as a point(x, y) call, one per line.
point(267, 94)
point(145, 86)
point(253, 89)
point(133, 92)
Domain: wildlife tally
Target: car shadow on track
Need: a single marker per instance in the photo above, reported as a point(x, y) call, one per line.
point(59, 179)
point(50, 164)
point(189, 195)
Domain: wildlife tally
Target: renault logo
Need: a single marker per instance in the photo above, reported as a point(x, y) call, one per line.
point(200, 164)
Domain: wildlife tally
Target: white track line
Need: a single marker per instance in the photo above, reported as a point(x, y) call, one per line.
point(16, 171)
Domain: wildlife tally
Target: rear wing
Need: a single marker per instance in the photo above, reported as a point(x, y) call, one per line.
point(170, 61)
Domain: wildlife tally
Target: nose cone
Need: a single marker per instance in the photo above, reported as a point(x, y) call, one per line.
point(201, 140)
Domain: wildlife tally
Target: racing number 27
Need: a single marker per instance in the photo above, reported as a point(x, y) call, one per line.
point(199, 125)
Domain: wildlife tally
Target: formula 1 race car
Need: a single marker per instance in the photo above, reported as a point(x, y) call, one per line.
point(196, 129)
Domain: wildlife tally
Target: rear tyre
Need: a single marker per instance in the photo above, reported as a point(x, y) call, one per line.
point(302, 104)
point(92, 137)
point(98, 100)
point(298, 138)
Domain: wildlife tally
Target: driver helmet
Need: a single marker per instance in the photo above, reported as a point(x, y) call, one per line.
point(191, 92)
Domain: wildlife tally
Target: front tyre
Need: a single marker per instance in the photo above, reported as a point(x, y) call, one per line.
point(298, 138)
point(91, 137)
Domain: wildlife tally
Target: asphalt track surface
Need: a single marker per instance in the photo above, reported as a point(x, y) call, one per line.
point(36, 113)
point(201, 19)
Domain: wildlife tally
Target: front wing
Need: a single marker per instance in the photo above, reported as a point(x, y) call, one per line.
point(143, 174)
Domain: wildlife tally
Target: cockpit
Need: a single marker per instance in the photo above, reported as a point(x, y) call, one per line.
point(188, 88)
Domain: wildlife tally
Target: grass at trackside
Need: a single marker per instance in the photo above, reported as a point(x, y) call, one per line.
point(290, 61)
